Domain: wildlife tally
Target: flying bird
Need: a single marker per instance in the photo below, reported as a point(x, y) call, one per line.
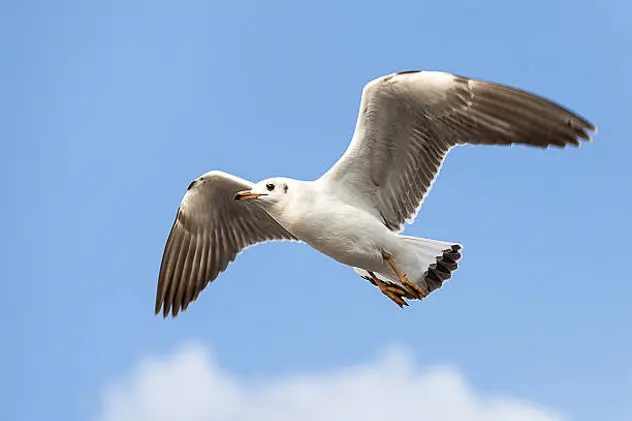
point(354, 213)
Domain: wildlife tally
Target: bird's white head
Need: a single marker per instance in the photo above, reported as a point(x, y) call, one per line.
point(271, 192)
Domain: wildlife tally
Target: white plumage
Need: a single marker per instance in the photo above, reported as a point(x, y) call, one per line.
point(407, 123)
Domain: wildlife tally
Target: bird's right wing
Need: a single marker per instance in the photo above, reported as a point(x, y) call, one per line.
point(210, 229)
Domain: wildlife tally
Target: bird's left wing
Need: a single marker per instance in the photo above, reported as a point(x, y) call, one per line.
point(408, 121)
point(210, 229)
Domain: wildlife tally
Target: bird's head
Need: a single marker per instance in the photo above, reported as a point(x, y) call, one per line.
point(271, 192)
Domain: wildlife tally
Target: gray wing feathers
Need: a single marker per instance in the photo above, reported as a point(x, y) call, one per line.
point(209, 230)
point(409, 121)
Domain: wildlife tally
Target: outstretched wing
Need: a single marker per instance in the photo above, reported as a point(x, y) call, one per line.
point(408, 122)
point(210, 229)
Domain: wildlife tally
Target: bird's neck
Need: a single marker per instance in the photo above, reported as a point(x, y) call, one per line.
point(300, 200)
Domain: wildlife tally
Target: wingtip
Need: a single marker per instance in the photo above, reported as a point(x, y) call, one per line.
point(161, 311)
point(158, 306)
point(587, 135)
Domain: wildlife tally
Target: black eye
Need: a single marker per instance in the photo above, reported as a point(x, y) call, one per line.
point(193, 183)
point(270, 186)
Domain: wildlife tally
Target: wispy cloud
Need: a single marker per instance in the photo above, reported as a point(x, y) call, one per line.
point(189, 386)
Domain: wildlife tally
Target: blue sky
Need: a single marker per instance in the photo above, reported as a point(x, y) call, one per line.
point(110, 109)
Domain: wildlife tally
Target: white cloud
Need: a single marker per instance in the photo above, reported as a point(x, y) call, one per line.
point(189, 386)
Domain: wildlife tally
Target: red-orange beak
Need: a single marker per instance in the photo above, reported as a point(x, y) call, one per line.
point(247, 195)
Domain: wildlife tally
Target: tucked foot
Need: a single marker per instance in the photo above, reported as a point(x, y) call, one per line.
point(393, 292)
point(415, 290)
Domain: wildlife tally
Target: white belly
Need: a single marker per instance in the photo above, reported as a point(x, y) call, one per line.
point(346, 234)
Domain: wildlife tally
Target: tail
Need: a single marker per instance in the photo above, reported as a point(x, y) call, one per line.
point(435, 261)
point(428, 263)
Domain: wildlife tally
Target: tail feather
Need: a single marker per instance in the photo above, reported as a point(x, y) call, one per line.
point(436, 261)
point(442, 269)
point(427, 263)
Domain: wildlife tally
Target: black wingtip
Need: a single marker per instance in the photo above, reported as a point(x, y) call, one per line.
point(162, 309)
point(193, 183)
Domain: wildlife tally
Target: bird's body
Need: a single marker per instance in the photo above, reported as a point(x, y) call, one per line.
point(342, 231)
point(354, 213)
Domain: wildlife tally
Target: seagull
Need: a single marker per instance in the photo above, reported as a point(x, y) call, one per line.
point(355, 212)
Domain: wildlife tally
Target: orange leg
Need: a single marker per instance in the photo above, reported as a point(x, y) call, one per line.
point(393, 292)
point(414, 289)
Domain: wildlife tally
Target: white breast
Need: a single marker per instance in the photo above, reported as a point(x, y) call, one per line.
point(345, 233)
